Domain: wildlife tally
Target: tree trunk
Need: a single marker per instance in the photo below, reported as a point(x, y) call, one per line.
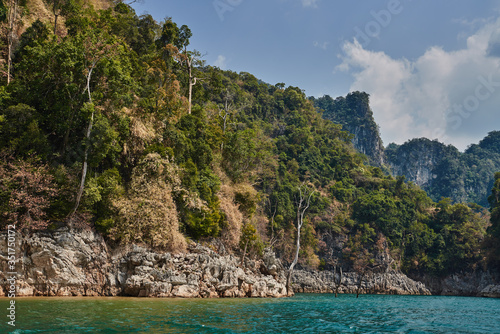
point(244, 253)
point(84, 167)
point(86, 153)
point(302, 206)
point(190, 83)
point(55, 22)
point(361, 276)
point(55, 8)
point(295, 259)
point(339, 282)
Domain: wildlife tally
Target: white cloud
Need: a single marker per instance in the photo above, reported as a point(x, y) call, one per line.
point(322, 46)
point(221, 62)
point(453, 96)
point(310, 3)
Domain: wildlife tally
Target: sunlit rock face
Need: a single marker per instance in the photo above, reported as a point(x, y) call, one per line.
point(80, 263)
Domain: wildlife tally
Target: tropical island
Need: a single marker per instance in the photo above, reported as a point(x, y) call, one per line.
point(130, 167)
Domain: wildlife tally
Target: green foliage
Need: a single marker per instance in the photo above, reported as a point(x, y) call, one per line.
point(104, 142)
point(463, 177)
point(250, 240)
point(240, 154)
point(3, 12)
point(37, 34)
point(100, 191)
point(20, 133)
point(493, 241)
point(203, 223)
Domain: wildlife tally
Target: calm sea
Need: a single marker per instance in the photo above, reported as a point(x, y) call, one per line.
point(304, 313)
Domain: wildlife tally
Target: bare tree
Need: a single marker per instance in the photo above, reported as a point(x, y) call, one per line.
point(337, 280)
point(224, 113)
point(189, 59)
point(365, 270)
point(303, 202)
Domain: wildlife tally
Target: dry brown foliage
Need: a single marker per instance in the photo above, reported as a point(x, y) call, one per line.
point(148, 213)
point(231, 234)
point(29, 188)
point(142, 133)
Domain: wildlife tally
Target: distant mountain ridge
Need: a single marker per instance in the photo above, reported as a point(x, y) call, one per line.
point(441, 170)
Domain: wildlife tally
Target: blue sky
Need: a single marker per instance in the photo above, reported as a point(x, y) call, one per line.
point(431, 67)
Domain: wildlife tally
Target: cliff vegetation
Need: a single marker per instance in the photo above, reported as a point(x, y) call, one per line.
point(109, 120)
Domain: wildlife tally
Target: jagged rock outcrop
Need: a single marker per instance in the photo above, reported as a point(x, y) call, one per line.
point(356, 117)
point(392, 282)
point(492, 291)
point(80, 263)
point(417, 159)
point(478, 284)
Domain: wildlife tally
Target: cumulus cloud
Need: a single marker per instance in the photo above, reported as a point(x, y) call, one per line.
point(221, 62)
point(453, 96)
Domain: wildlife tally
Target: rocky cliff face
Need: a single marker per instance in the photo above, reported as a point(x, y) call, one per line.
point(80, 263)
point(392, 282)
point(477, 284)
point(442, 171)
point(367, 141)
point(417, 159)
point(356, 117)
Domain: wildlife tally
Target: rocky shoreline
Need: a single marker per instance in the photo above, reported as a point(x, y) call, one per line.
point(476, 284)
point(393, 283)
point(80, 263)
point(70, 263)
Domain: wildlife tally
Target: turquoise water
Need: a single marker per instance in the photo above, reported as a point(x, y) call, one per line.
point(304, 313)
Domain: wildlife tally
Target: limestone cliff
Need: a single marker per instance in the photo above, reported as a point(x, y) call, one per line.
point(80, 263)
point(418, 159)
point(356, 117)
point(442, 171)
point(391, 282)
point(477, 284)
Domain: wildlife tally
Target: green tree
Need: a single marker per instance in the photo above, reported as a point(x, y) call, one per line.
point(493, 243)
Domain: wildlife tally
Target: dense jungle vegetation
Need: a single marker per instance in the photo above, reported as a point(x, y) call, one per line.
point(109, 120)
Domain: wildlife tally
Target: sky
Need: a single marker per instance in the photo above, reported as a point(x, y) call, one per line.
point(431, 67)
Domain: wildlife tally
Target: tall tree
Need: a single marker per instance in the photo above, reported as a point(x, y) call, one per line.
point(303, 202)
point(97, 47)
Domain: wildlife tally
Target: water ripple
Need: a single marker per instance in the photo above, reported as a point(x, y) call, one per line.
point(304, 313)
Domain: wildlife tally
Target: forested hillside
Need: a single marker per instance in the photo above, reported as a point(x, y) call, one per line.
point(441, 170)
point(113, 122)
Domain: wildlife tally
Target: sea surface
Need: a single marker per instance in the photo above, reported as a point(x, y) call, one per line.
point(303, 313)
